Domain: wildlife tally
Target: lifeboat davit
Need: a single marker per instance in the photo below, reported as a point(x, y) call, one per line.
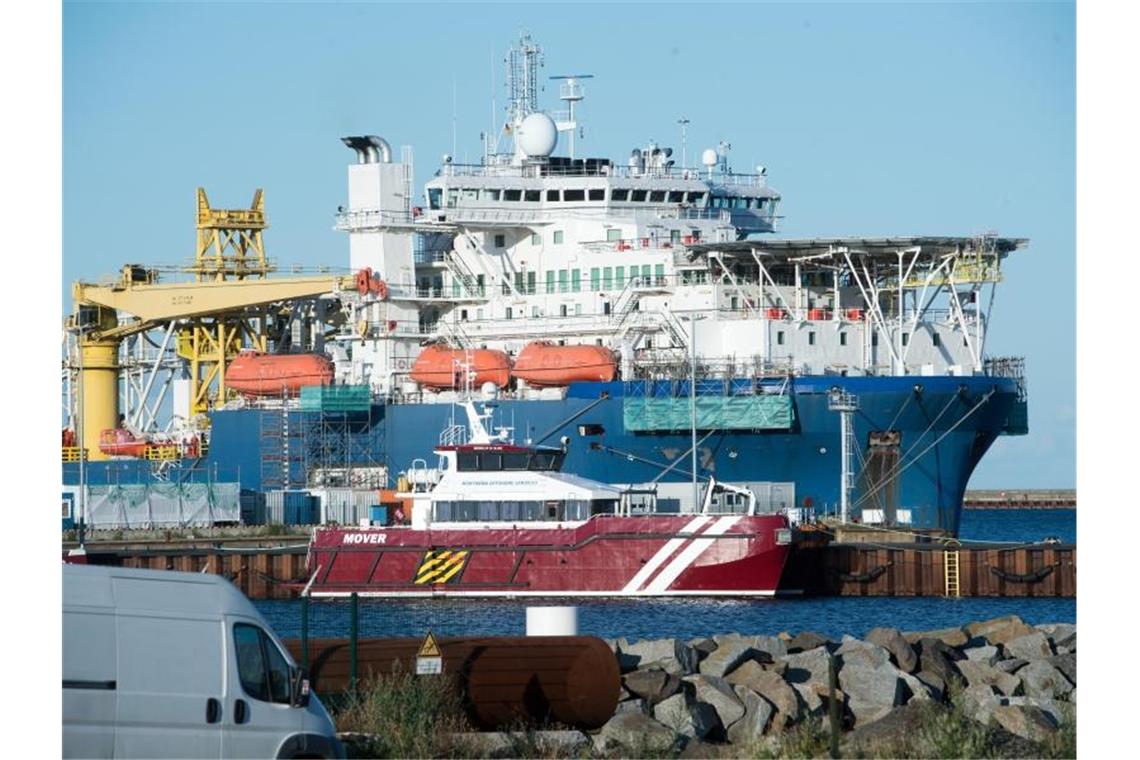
point(118, 442)
point(253, 373)
point(545, 364)
point(442, 367)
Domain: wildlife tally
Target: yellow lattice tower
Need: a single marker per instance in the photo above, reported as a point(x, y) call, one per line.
point(229, 247)
point(229, 241)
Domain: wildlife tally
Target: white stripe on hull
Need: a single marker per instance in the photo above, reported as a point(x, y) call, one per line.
point(664, 553)
point(513, 594)
point(690, 554)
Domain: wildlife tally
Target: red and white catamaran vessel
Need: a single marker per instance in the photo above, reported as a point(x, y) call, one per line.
point(499, 520)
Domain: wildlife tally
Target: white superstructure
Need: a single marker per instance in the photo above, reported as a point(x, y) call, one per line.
point(634, 256)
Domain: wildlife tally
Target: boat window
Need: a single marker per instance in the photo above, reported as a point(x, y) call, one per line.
point(515, 460)
point(435, 196)
point(741, 203)
point(509, 511)
point(603, 506)
point(545, 461)
point(760, 203)
point(442, 511)
point(512, 195)
point(488, 510)
point(464, 511)
point(638, 196)
point(696, 198)
point(716, 201)
point(620, 194)
point(533, 196)
point(843, 339)
point(491, 195)
point(574, 195)
point(657, 196)
point(532, 510)
point(597, 194)
point(452, 196)
point(575, 510)
point(613, 234)
point(674, 236)
point(937, 339)
point(490, 461)
point(559, 237)
point(535, 238)
point(552, 195)
point(467, 461)
point(676, 196)
point(470, 194)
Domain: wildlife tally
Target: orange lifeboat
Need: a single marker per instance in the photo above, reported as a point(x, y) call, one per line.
point(541, 363)
point(117, 442)
point(443, 367)
point(253, 373)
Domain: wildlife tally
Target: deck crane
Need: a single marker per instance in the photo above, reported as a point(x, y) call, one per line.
point(231, 304)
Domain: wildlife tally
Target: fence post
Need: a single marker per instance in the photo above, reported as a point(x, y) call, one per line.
point(833, 705)
point(305, 632)
point(353, 637)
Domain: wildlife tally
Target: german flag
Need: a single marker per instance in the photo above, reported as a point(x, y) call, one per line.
point(441, 566)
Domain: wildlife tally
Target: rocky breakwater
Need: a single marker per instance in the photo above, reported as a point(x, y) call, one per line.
point(1015, 683)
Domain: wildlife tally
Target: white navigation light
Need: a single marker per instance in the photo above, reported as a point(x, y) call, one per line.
point(537, 136)
point(709, 157)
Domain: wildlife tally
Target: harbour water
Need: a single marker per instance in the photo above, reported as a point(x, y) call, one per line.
point(687, 618)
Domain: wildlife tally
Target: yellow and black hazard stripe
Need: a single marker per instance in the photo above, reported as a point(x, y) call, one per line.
point(441, 566)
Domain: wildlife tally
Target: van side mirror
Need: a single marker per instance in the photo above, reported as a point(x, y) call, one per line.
point(299, 689)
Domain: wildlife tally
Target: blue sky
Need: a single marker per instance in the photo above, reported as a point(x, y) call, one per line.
point(872, 119)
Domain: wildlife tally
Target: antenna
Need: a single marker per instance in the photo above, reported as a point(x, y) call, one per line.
point(684, 129)
point(571, 92)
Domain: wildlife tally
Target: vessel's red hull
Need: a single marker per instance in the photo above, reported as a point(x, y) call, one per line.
point(658, 555)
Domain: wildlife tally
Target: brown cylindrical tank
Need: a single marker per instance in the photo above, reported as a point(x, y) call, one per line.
point(542, 364)
point(442, 367)
point(254, 373)
point(570, 679)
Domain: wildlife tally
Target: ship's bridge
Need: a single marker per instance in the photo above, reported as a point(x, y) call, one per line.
point(511, 195)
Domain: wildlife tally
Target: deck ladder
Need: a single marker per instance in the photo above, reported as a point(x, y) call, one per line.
point(950, 563)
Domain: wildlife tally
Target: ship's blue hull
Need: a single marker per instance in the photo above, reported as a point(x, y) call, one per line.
point(945, 425)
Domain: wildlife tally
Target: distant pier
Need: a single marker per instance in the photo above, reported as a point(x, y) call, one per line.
point(1021, 499)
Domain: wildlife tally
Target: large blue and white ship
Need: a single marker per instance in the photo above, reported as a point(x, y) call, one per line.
point(841, 375)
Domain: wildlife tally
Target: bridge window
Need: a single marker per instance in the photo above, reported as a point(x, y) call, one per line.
point(905, 338)
point(533, 196)
point(811, 338)
point(492, 195)
point(619, 277)
point(620, 194)
point(573, 195)
point(469, 194)
point(607, 277)
point(657, 196)
point(435, 196)
point(936, 339)
point(535, 238)
point(452, 197)
point(638, 196)
point(613, 234)
point(595, 278)
point(576, 280)
point(552, 195)
point(843, 339)
point(674, 236)
point(676, 196)
point(500, 241)
point(597, 193)
point(559, 236)
point(696, 198)
point(512, 195)
point(779, 337)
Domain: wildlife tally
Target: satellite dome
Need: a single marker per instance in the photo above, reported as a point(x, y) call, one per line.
point(537, 136)
point(709, 157)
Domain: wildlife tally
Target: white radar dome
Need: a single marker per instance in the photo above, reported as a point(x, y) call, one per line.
point(537, 136)
point(709, 158)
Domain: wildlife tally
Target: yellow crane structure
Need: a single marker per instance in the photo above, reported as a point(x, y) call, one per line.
point(230, 305)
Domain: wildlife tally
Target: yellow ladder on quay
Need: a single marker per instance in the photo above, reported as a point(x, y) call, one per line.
point(950, 565)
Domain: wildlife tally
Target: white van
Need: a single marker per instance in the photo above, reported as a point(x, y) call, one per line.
point(164, 664)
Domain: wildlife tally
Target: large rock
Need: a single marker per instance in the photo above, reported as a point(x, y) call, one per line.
point(933, 683)
point(695, 720)
point(704, 646)
point(979, 673)
point(758, 713)
point(636, 705)
point(978, 702)
point(772, 687)
point(937, 657)
point(1028, 722)
point(1069, 643)
point(1067, 664)
point(1041, 680)
point(807, 667)
point(635, 732)
point(1031, 646)
point(951, 637)
point(670, 655)
point(806, 640)
point(814, 699)
point(998, 630)
point(1057, 633)
point(717, 693)
point(856, 651)
point(730, 652)
point(988, 654)
point(918, 691)
point(503, 744)
point(1012, 665)
point(652, 684)
point(882, 736)
point(872, 690)
point(894, 642)
point(1057, 711)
